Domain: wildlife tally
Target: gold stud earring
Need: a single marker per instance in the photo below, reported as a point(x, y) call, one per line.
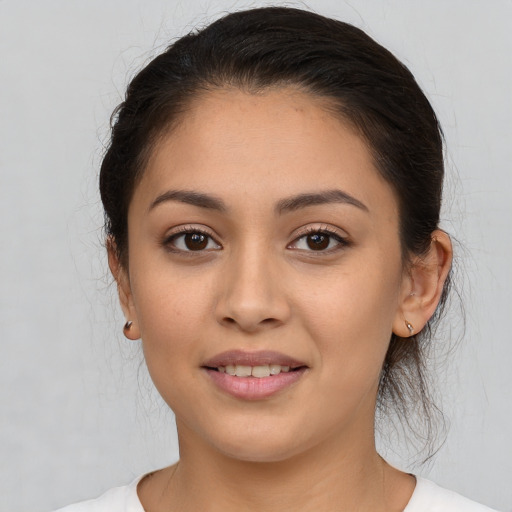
point(127, 327)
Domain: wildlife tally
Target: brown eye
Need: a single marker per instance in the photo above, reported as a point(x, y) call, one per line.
point(318, 241)
point(195, 241)
point(191, 241)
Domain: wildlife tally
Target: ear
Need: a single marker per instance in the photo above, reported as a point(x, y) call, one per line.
point(122, 278)
point(422, 286)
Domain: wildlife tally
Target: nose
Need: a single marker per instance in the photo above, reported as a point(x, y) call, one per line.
point(252, 293)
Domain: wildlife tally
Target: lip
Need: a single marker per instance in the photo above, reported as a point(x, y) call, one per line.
point(253, 388)
point(252, 359)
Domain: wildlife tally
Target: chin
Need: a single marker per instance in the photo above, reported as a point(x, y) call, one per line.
point(261, 447)
point(262, 456)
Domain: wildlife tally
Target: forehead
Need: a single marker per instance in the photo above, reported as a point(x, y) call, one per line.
point(267, 145)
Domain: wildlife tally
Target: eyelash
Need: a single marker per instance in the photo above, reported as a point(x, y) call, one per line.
point(341, 241)
point(183, 231)
point(169, 241)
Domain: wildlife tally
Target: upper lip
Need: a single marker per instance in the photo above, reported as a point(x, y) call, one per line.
point(258, 358)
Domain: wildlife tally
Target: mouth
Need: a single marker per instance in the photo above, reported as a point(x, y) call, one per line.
point(259, 371)
point(253, 375)
point(253, 364)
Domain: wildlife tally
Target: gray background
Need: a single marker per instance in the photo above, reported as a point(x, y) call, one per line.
point(78, 413)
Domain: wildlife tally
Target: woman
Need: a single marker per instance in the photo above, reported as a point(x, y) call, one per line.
point(272, 193)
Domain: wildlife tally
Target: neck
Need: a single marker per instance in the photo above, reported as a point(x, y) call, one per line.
point(336, 476)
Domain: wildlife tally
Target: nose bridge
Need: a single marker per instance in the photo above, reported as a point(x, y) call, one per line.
point(252, 295)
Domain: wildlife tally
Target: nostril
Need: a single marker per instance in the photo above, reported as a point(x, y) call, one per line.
point(250, 324)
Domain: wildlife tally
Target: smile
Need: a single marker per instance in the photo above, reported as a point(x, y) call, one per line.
point(253, 375)
point(261, 371)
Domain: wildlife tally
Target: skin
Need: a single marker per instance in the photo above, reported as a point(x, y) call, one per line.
point(258, 285)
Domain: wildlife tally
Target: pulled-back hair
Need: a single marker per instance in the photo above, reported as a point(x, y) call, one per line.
point(364, 85)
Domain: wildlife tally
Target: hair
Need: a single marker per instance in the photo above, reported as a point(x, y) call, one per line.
point(364, 85)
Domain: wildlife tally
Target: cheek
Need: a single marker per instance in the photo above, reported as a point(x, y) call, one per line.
point(347, 317)
point(172, 312)
point(169, 301)
point(351, 327)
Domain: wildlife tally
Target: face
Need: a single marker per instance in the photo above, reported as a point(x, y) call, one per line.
point(263, 243)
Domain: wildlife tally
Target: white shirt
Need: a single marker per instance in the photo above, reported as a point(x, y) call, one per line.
point(427, 497)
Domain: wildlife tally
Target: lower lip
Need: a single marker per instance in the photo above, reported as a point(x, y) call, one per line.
point(254, 388)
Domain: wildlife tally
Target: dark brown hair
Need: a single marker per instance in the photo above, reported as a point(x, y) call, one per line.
point(365, 85)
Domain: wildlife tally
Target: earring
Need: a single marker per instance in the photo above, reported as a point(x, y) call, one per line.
point(127, 327)
point(410, 327)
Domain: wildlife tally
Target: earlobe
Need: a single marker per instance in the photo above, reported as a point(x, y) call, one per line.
point(423, 286)
point(120, 274)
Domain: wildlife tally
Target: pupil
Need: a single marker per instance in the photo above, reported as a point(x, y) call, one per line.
point(318, 241)
point(195, 241)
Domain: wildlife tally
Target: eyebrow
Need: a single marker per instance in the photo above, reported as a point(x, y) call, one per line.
point(286, 205)
point(319, 198)
point(189, 197)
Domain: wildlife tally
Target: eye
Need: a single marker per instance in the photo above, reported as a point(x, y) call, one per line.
point(319, 241)
point(191, 240)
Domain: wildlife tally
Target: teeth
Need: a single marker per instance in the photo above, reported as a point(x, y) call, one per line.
point(275, 369)
point(265, 370)
point(242, 371)
point(261, 371)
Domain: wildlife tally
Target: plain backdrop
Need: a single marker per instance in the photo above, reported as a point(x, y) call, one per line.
point(77, 411)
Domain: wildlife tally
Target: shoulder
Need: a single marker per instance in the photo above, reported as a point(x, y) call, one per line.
point(429, 497)
point(118, 499)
